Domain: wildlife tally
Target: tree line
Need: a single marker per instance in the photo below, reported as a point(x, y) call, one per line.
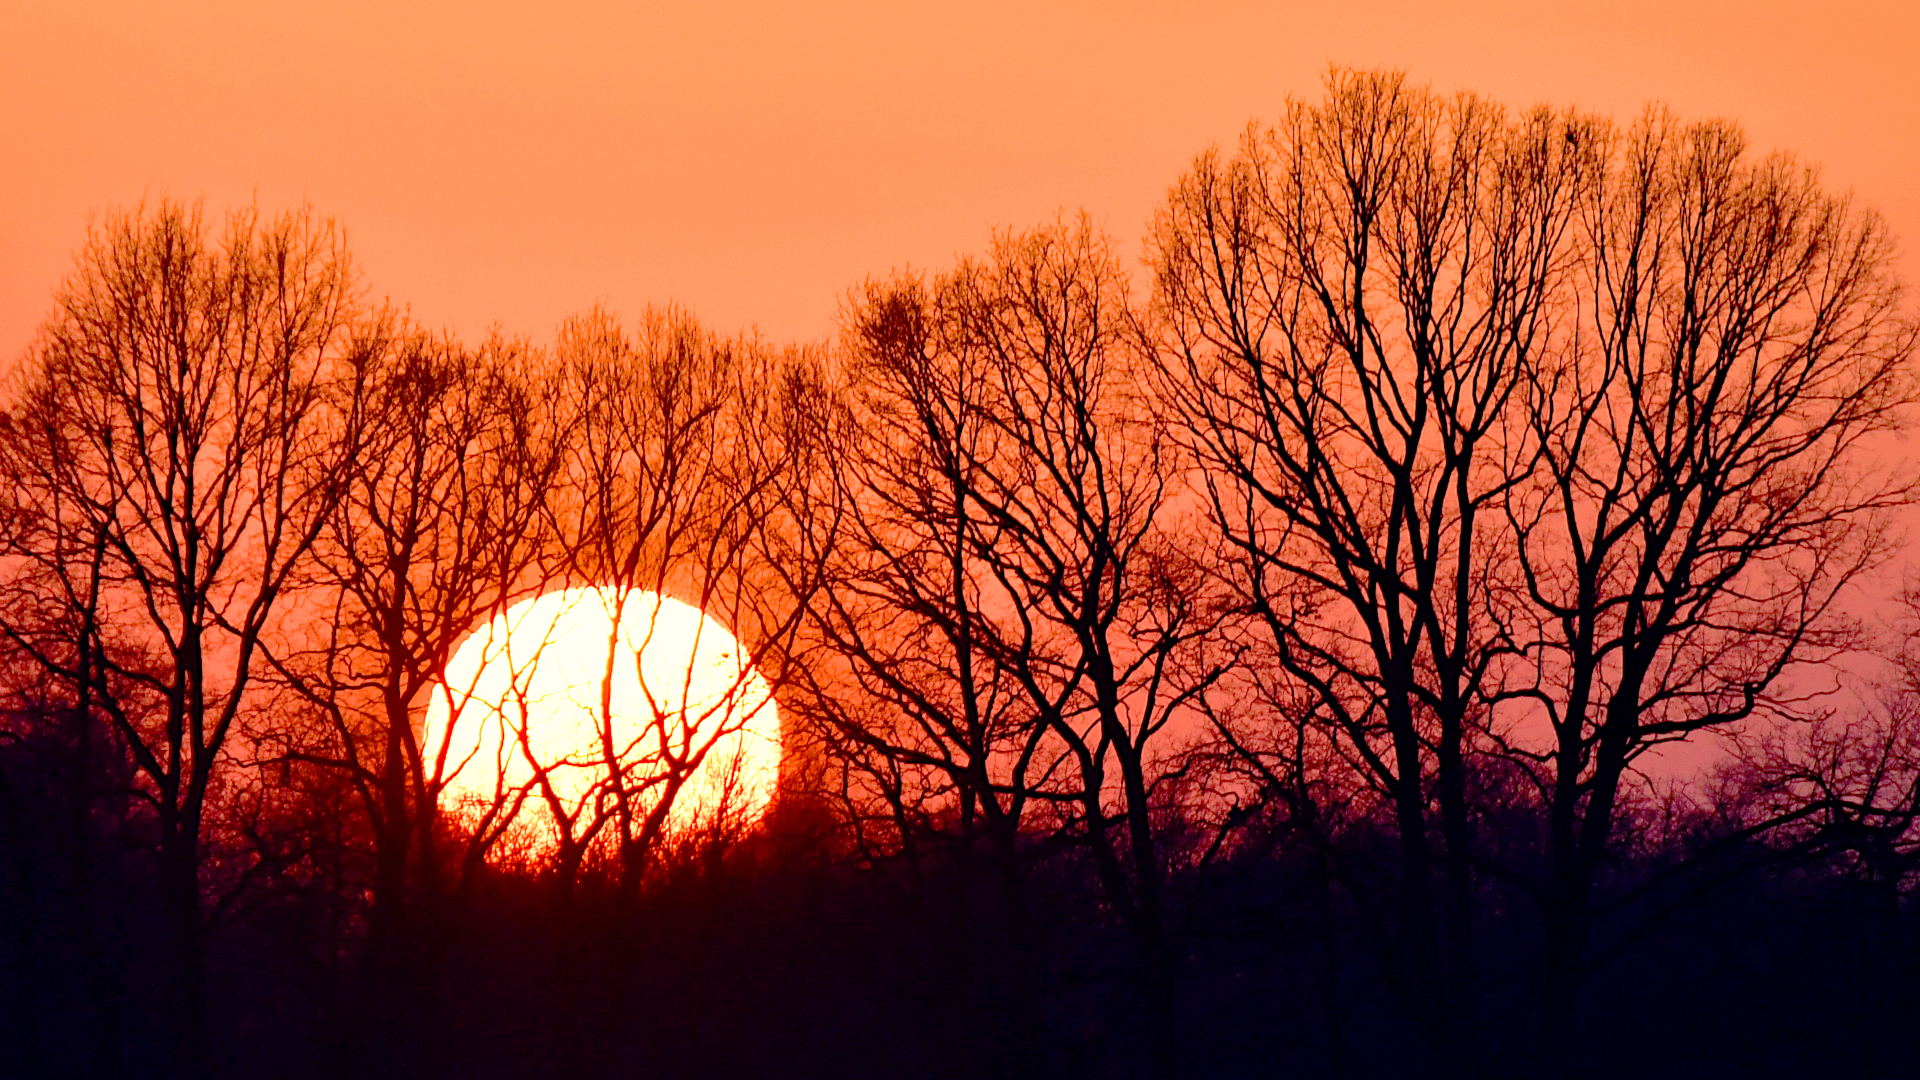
point(1262, 664)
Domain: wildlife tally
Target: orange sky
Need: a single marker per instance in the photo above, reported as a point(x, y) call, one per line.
point(514, 162)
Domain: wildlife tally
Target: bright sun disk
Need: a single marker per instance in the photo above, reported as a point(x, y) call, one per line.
point(527, 690)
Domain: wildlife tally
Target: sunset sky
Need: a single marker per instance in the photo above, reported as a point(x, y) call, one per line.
point(511, 163)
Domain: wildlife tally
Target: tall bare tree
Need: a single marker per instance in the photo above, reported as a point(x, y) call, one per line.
point(1353, 304)
point(1017, 623)
point(1702, 498)
point(181, 429)
point(683, 450)
point(1538, 444)
point(439, 528)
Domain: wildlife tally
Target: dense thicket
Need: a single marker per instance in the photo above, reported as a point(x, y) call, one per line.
point(1426, 627)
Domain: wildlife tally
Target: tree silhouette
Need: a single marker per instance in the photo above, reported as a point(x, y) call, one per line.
point(438, 528)
point(681, 452)
point(1702, 497)
point(1011, 582)
point(181, 429)
point(1352, 305)
point(1524, 427)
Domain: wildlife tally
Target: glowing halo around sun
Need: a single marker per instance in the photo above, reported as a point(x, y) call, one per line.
point(527, 688)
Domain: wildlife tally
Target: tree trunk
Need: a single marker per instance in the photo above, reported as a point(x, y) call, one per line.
point(1159, 999)
point(187, 946)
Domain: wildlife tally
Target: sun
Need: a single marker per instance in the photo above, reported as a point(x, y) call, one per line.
point(574, 690)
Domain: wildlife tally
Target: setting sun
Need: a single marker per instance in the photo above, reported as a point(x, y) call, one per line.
point(547, 694)
point(845, 539)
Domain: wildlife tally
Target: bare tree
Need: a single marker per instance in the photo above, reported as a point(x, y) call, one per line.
point(180, 432)
point(919, 717)
point(1843, 787)
point(682, 451)
point(1019, 628)
point(1702, 499)
point(438, 529)
point(1524, 427)
point(1352, 306)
